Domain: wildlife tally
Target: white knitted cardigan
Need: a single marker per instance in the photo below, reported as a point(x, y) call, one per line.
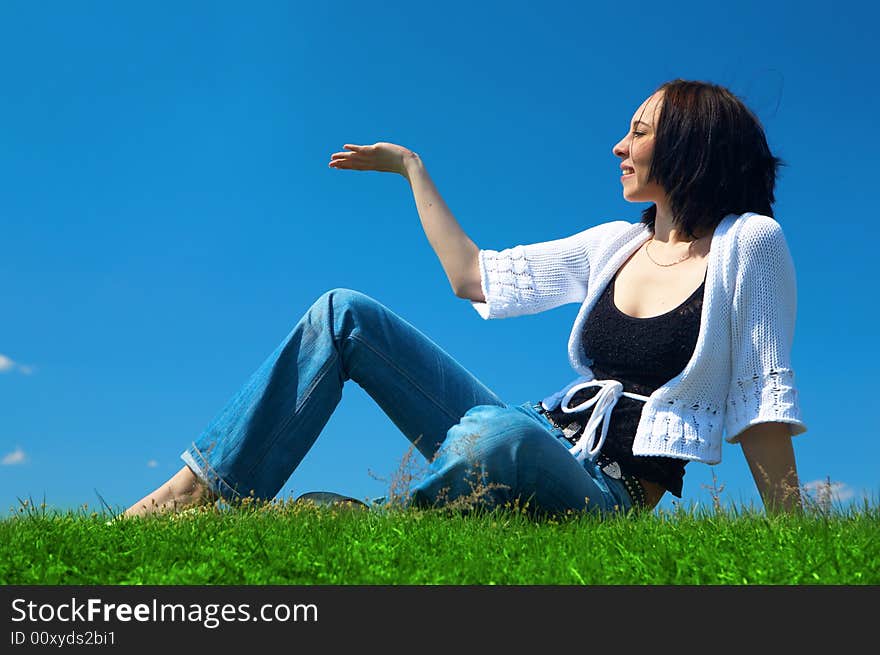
point(740, 373)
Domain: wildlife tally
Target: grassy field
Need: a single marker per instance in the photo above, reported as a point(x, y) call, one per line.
point(292, 544)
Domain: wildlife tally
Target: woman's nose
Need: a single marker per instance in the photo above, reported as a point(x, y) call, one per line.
point(619, 150)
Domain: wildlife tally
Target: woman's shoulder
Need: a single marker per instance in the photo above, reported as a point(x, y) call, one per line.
point(610, 230)
point(598, 238)
point(756, 226)
point(759, 248)
point(759, 234)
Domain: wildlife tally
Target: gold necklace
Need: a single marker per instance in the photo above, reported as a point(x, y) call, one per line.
point(688, 256)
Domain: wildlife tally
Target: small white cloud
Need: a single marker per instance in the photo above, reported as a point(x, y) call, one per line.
point(17, 456)
point(7, 364)
point(829, 491)
point(152, 464)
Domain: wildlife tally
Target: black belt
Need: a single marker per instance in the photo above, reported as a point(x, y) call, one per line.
point(632, 483)
point(608, 466)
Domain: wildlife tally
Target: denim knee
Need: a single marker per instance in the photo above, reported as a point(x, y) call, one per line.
point(334, 308)
point(341, 298)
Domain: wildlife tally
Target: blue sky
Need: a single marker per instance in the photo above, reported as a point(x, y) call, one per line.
point(167, 213)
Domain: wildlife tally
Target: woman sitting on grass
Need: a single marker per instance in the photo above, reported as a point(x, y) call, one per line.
point(685, 331)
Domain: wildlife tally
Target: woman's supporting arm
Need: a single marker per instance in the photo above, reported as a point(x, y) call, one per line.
point(458, 254)
point(769, 452)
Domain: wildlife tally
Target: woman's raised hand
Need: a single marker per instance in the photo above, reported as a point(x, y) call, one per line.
point(386, 157)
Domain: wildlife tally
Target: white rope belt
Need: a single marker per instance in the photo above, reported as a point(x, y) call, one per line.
point(605, 400)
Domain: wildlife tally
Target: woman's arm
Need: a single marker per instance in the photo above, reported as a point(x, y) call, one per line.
point(457, 253)
point(768, 450)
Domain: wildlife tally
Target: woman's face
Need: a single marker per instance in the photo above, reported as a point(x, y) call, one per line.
point(636, 150)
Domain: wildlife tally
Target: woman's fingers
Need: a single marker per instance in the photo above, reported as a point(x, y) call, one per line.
point(351, 164)
point(355, 150)
point(340, 159)
point(352, 159)
point(385, 157)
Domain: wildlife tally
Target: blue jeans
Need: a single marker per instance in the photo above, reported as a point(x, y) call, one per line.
point(469, 435)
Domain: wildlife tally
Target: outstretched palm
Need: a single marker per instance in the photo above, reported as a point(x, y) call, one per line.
point(385, 157)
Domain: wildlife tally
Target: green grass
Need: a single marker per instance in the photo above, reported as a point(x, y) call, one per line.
point(289, 544)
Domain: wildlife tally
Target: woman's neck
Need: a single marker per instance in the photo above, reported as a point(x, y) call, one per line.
point(668, 231)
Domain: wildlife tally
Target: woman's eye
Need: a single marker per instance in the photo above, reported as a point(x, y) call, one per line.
point(638, 133)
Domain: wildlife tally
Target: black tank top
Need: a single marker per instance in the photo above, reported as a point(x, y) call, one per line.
point(642, 354)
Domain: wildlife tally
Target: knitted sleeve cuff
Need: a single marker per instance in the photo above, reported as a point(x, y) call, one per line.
point(506, 281)
point(771, 398)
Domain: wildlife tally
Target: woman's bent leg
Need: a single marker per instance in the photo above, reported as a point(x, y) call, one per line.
point(266, 429)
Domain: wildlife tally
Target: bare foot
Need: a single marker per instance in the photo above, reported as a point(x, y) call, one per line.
point(183, 490)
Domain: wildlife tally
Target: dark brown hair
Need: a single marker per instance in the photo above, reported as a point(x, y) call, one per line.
point(710, 156)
